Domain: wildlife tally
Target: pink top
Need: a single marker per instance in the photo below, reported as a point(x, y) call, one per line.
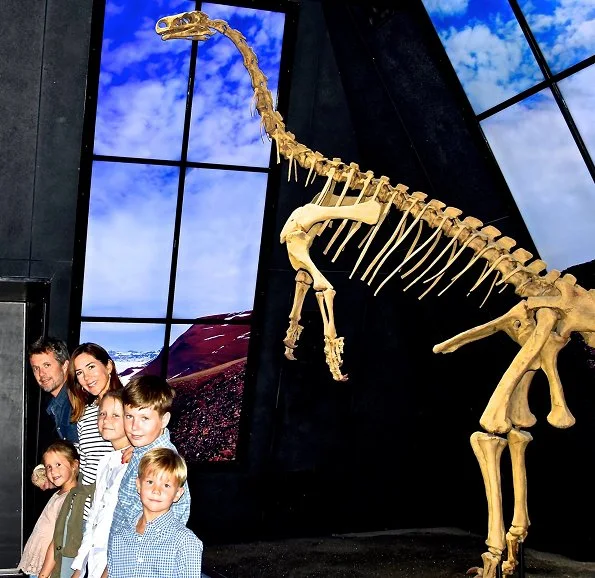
point(41, 537)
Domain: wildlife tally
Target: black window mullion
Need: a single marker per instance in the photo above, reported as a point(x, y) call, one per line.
point(545, 69)
point(179, 206)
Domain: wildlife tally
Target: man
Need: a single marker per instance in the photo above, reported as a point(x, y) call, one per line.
point(49, 360)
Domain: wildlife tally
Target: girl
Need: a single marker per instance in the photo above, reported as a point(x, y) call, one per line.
point(93, 549)
point(91, 374)
point(61, 461)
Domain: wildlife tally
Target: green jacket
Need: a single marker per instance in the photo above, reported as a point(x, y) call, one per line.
point(75, 504)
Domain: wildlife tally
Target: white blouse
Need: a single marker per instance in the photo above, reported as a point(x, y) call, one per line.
point(93, 549)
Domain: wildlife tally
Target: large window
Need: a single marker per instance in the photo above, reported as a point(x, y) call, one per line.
point(528, 69)
point(176, 201)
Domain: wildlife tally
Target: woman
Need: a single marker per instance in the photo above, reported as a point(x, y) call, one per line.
point(91, 373)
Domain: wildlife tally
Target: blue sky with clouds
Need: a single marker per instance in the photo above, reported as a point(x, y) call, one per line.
point(140, 113)
point(530, 140)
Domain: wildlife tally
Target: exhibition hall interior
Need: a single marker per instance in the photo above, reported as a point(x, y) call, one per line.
point(358, 241)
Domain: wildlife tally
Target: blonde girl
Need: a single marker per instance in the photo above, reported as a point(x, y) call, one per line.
point(61, 462)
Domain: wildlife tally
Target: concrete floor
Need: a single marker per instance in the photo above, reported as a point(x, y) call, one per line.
point(432, 553)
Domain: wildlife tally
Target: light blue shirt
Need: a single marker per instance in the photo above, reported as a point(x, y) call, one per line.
point(129, 507)
point(167, 549)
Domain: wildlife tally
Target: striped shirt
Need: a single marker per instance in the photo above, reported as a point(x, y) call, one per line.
point(166, 549)
point(92, 447)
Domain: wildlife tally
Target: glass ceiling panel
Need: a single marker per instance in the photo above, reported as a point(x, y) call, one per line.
point(547, 177)
point(564, 30)
point(486, 47)
point(579, 93)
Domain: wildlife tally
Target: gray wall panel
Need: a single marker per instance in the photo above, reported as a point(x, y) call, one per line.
point(61, 110)
point(20, 65)
point(12, 377)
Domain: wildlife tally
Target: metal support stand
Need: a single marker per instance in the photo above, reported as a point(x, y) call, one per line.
point(521, 560)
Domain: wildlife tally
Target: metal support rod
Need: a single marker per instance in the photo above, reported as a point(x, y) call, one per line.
point(521, 554)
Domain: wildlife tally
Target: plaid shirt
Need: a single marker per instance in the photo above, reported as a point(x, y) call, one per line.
point(129, 507)
point(167, 549)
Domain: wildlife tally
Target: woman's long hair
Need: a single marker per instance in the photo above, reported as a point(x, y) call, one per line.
point(79, 398)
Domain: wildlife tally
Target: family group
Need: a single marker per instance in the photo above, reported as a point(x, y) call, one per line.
point(121, 500)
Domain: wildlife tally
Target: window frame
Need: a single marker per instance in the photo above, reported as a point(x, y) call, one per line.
point(290, 9)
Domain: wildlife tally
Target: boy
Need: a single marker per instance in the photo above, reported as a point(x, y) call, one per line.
point(147, 404)
point(157, 544)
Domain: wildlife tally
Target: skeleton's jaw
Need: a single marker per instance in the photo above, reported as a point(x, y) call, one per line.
point(189, 25)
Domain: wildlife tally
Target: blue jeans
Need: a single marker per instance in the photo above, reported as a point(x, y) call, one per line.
point(66, 571)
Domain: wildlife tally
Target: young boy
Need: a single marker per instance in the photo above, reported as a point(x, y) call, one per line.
point(147, 404)
point(157, 544)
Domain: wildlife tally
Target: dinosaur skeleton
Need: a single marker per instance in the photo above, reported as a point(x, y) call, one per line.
point(553, 306)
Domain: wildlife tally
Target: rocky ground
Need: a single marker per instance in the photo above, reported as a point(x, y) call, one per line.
point(435, 553)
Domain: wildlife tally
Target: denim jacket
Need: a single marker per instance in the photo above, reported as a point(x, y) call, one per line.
point(59, 408)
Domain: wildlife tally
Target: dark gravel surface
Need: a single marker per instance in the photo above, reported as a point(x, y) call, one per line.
point(435, 553)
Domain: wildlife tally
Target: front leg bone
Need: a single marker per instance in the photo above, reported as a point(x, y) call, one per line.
point(488, 451)
point(303, 282)
point(517, 443)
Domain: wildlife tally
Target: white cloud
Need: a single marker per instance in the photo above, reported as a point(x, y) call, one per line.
point(491, 66)
point(142, 119)
point(446, 7)
point(219, 242)
point(566, 33)
point(129, 240)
